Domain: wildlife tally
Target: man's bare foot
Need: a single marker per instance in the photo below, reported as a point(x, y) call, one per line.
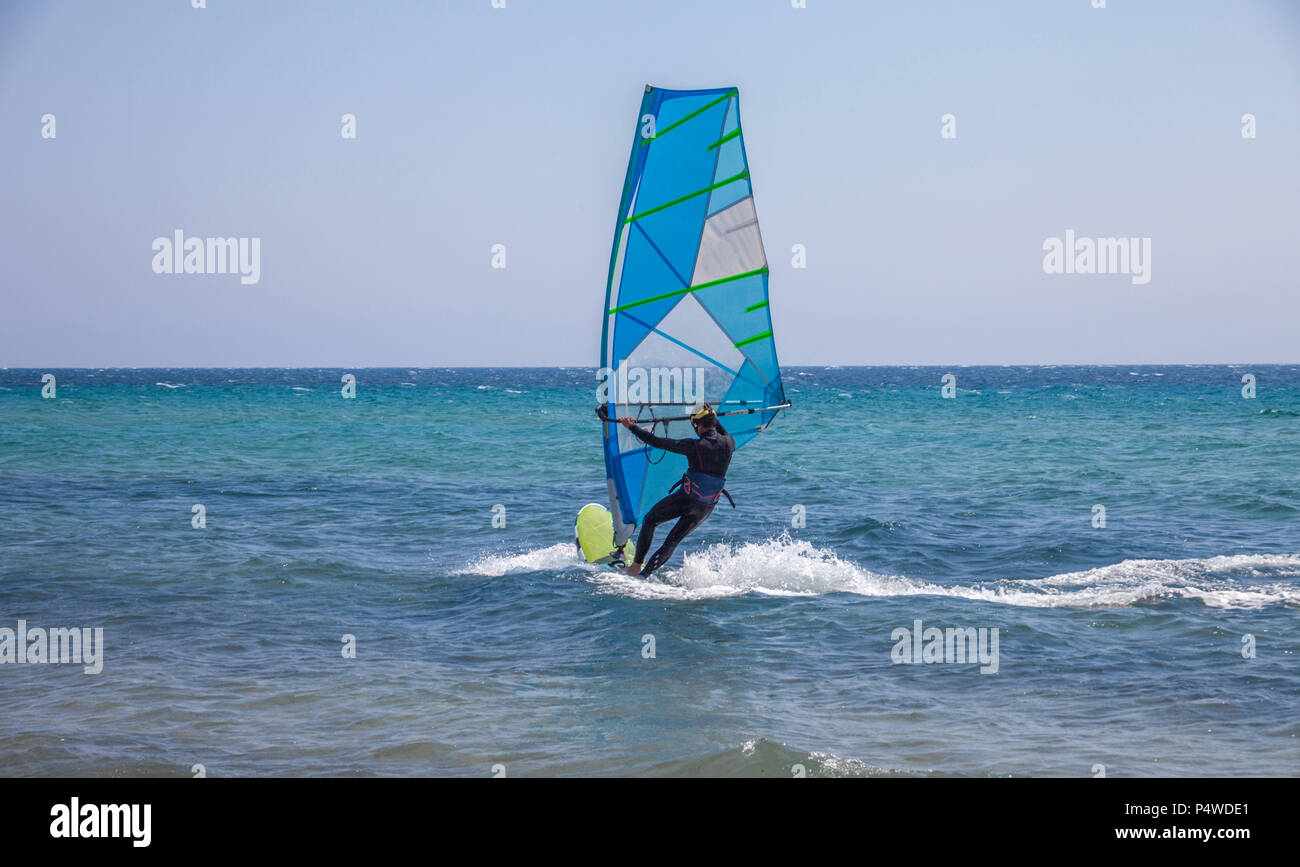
point(632, 569)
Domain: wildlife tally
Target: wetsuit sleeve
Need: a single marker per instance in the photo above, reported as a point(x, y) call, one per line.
point(681, 447)
point(721, 430)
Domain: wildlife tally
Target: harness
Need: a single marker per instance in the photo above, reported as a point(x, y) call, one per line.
point(703, 488)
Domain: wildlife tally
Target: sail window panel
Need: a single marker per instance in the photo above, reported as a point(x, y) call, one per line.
point(730, 244)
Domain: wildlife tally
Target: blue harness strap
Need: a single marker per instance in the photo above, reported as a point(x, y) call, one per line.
point(703, 488)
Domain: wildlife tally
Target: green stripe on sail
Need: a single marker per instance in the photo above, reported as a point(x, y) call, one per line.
point(629, 305)
point(757, 337)
point(699, 111)
point(726, 138)
point(759, 306)
point(677, 201)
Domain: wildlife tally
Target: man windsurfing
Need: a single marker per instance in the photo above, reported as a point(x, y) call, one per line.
point(692, 499)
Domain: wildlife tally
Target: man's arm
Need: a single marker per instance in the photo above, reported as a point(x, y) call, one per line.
point(681, 447)
point(722, 432)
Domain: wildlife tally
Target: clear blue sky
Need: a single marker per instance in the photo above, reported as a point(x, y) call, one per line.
point(479, 126)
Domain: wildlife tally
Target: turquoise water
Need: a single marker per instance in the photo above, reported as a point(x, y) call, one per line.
point(478, 646)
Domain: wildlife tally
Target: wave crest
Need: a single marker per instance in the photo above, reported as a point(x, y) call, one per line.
point(795, 567)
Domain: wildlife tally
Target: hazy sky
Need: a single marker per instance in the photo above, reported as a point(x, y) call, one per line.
point(479, 126)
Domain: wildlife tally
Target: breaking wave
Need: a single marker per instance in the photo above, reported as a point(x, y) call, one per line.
point(792, 567)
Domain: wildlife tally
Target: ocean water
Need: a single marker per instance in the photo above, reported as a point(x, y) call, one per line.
point(1162, 643)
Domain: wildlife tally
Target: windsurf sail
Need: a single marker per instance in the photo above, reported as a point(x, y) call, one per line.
point(686, 307)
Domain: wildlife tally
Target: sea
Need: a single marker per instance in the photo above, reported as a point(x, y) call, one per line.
point(955, 572)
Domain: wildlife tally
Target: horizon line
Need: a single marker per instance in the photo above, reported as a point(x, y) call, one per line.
point(480, 366)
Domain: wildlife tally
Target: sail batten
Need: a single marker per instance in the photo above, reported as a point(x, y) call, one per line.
point(684, 290)
point(686, 304)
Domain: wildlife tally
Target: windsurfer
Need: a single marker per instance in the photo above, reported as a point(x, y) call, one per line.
point(692, 499)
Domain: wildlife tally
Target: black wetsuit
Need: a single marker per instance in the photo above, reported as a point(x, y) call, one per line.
point(711, 454)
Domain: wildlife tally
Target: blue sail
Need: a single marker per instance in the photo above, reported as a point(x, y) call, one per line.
point(686, 307)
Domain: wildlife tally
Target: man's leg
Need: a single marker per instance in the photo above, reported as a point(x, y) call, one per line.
point(692, 517)
point(665, 510)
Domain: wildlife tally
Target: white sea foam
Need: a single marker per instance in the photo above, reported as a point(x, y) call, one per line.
point(562, 555)
point(794, 567)
point(780, 567)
